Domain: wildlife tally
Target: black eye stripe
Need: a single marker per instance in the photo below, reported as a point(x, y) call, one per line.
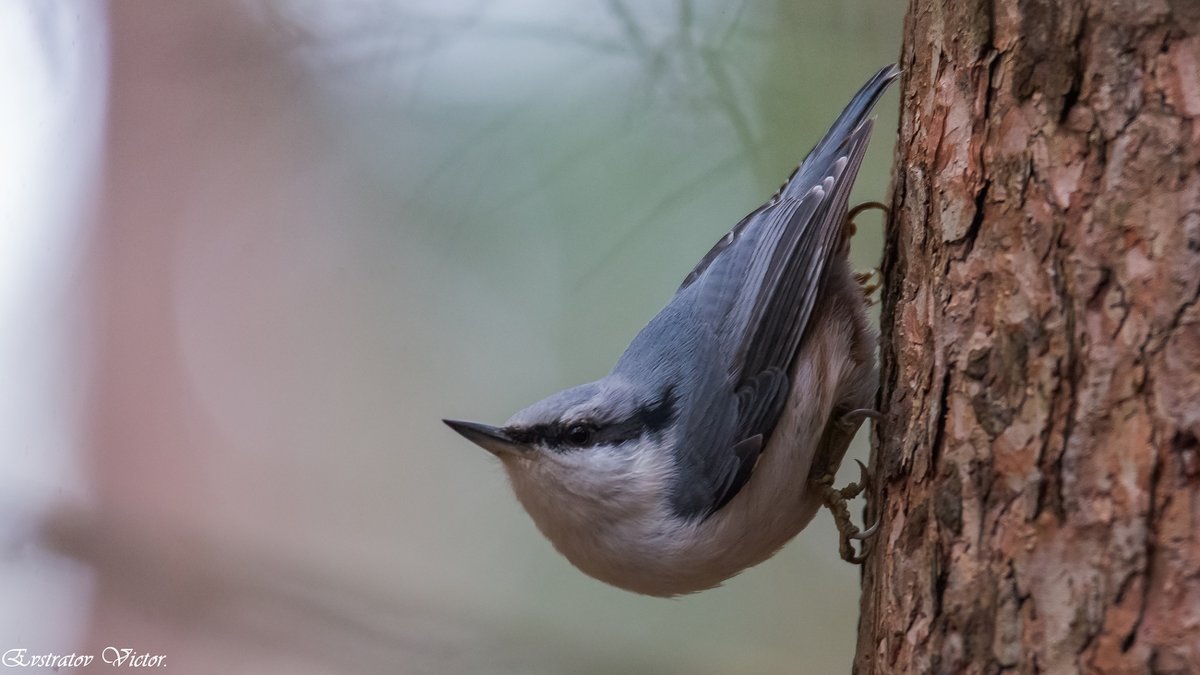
point(556, 434)
point(567, 435)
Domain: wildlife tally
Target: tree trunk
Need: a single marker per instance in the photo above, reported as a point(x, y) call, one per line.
point(1039, 467)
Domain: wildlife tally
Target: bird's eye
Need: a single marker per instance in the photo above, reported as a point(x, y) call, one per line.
point(578, 434)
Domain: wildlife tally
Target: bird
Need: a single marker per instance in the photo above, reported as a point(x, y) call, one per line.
point(713, 440)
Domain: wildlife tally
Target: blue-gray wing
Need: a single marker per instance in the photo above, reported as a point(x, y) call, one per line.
point(757, 288)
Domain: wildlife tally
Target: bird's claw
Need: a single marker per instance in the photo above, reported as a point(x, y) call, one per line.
point(835, 499)
point(855, 489)
point(864, 413)
point(853, 418)
point(869, 283)
point(865, 206)
point(849, 228)
point(867, 533)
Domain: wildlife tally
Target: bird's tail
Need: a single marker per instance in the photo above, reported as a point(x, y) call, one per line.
point(830, 146)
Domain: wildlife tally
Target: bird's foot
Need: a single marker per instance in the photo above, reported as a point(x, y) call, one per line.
point(857, 415)
point(869, 282)
point(850, 228)
point(835, 500)
point(866, 206)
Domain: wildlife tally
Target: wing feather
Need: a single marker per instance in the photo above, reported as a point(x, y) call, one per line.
point(760, 284)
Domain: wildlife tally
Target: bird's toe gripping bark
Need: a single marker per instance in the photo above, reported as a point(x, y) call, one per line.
point(869, 281)
point(849, 229)
point(835, 500)
point(865, 206)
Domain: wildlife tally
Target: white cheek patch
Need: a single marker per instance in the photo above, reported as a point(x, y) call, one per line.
point(599, 483)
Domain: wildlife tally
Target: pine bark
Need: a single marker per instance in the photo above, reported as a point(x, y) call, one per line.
point(1039, 463)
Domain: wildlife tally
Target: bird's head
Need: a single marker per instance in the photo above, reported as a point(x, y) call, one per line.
point(599, 452)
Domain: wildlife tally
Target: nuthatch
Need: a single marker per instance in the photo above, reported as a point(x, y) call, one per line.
point(711, 442)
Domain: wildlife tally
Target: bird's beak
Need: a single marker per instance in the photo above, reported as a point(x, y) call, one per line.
point(492, 439)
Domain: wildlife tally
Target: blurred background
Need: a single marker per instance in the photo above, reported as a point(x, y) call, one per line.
point(252, 252)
